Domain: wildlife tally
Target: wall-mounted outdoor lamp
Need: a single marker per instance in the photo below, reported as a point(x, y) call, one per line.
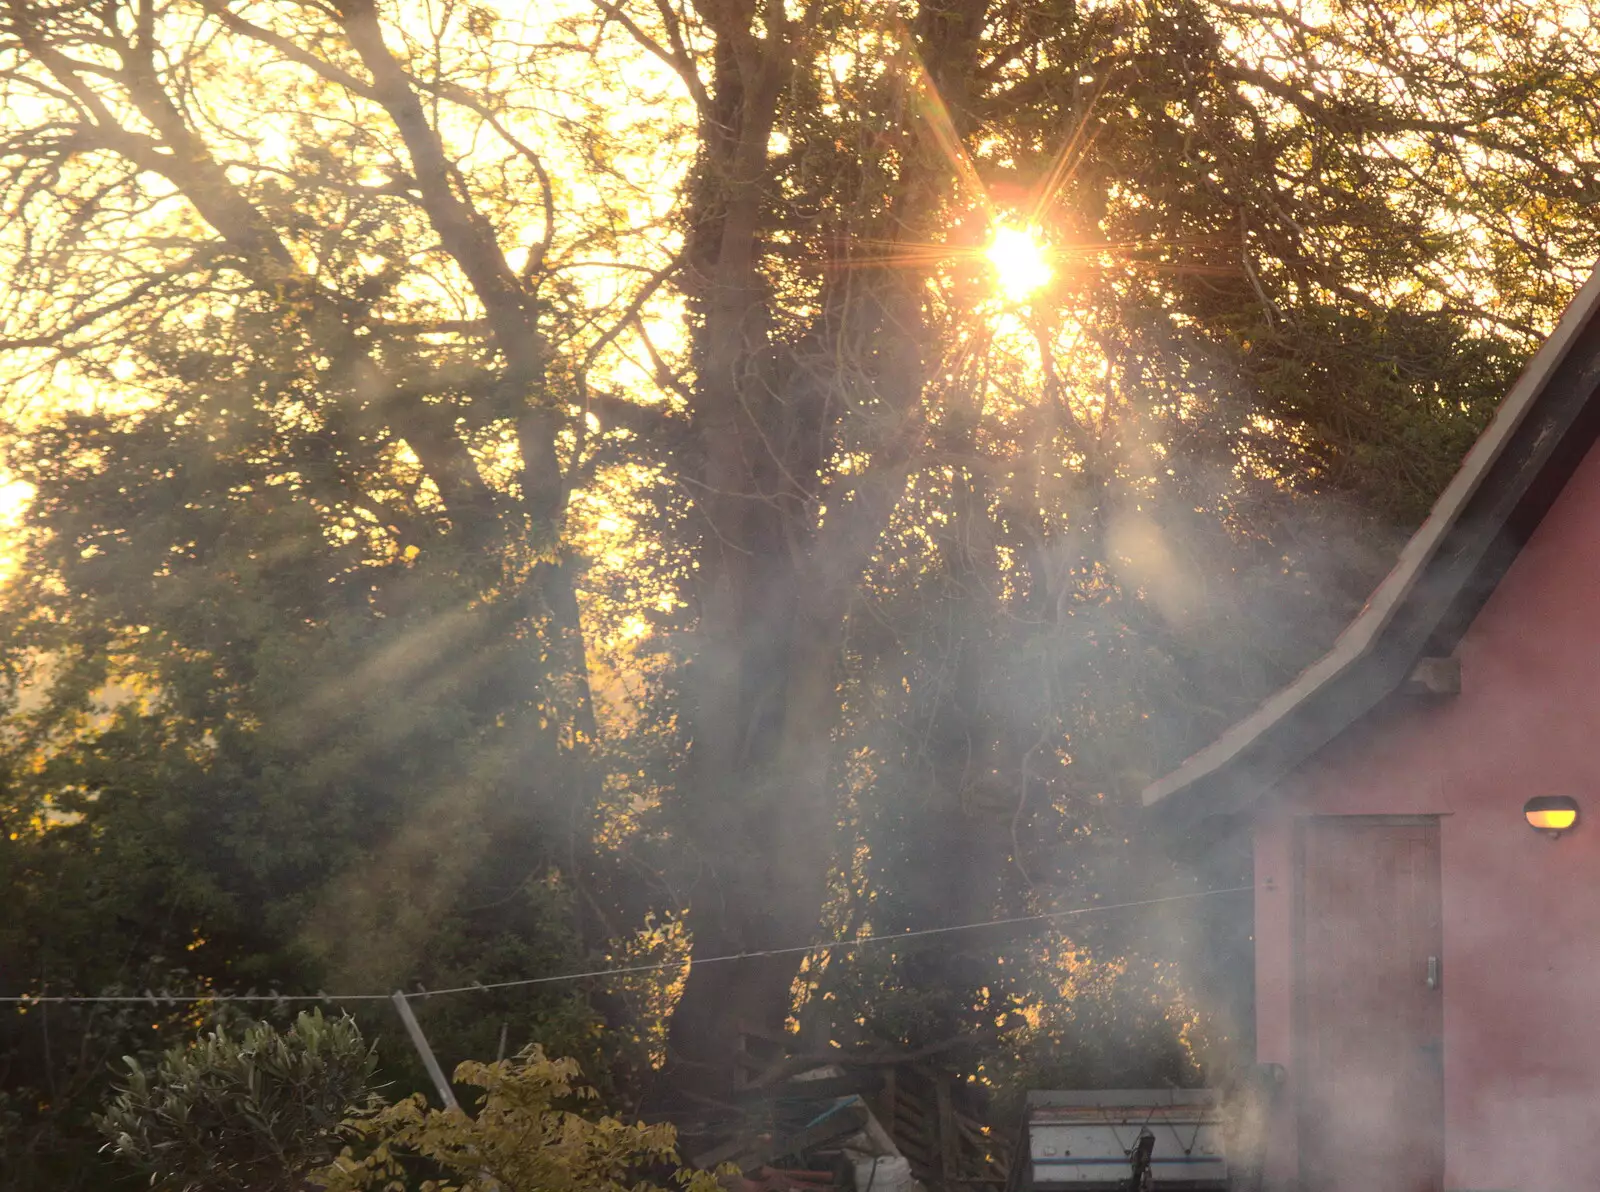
point(1550, 814)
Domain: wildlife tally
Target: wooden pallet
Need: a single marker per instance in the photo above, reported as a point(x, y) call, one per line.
point(929, 1112)
point(929, 1115)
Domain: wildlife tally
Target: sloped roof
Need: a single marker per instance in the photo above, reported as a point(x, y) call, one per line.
point(1506, 484)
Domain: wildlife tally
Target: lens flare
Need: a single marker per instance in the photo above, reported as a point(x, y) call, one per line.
point(1021, 263)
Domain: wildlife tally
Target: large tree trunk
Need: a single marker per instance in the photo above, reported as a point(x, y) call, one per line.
point(775, 580)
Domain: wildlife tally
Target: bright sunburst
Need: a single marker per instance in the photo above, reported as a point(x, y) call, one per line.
point(1021, 263)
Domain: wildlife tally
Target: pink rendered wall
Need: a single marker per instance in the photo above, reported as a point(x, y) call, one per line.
point(1521, 964)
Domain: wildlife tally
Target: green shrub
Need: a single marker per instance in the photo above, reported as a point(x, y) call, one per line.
point(520, 1140)
point(254, 1113)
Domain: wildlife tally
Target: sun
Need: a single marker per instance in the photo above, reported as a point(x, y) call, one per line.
point(1021, 263)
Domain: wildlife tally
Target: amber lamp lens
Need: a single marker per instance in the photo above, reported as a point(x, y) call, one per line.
point(1550, 813)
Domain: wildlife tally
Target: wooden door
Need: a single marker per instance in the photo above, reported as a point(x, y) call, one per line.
point(1370, 980)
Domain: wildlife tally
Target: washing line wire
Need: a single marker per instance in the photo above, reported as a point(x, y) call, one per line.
point(622, 970)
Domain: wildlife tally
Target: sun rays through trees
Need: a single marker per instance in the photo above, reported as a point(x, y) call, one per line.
point(503, 488)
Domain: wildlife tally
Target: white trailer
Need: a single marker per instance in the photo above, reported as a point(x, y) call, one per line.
point(1086, 1141)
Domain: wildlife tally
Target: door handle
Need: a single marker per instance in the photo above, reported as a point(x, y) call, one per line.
point(1433, 972)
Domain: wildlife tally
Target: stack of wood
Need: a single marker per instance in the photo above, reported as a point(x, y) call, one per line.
point(795, 1113)
point(938, 1124)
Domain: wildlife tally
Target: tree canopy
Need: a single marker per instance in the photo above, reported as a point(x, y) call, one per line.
point(507, 489)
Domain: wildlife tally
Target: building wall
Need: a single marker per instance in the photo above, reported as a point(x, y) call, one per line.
point(1521, 962)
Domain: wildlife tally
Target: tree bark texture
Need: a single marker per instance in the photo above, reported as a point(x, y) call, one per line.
point(784, 535)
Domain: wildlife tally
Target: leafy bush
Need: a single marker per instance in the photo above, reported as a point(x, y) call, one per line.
point(254, 1113)
point(521, 1139)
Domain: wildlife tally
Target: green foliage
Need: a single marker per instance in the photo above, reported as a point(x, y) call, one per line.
point(248, 1113)
point(521, 1138)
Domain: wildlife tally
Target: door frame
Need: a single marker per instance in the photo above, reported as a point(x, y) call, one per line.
point(1297, 1011)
